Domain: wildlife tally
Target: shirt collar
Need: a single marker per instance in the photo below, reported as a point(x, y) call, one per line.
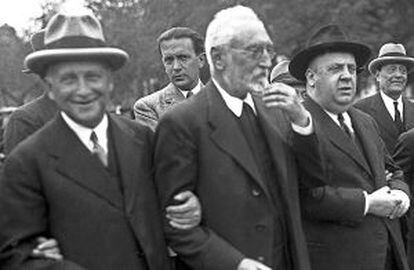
point(233, 103)
point(195, 90)
point(347, 119)
point(389, 104)
point(84, 133)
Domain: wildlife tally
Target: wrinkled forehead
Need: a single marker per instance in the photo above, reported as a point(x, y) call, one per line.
point(333, 58)
point(392, 64)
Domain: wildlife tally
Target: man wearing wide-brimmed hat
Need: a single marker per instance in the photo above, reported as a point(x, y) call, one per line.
point(32, 116)
point(351, 222)
point(85, 177)
point(392, 111)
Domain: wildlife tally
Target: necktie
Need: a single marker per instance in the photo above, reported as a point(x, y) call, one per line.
point(189, 94)
point(98, 150)
point(397, 119)
point(344, 127)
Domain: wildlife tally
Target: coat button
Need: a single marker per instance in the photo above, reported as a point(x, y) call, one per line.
point(255, 192)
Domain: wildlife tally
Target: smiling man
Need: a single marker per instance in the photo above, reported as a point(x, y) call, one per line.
point(182, 54)
point(393, 113)
point(85, 178)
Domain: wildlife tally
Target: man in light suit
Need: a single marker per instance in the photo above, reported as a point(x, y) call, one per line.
point(85, 178)
point(182, 54)
point(352, 221)
point(391, 110)
point(240, 154)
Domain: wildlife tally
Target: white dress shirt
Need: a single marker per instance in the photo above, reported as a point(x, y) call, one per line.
point(195, 90)
point(235, 105)
point(389, 104)
point(84, 133)
point(347, 120)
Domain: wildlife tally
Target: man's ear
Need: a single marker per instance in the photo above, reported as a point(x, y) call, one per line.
point(377, 75)
point(201, 60)
point(217, 58)
point(311, 77)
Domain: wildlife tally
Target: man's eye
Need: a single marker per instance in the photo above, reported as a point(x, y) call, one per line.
point(183, 58)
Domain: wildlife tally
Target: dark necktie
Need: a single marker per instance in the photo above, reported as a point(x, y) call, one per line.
point(189, 94)
point(397, 119)
point(344, 127)
point(98, 149)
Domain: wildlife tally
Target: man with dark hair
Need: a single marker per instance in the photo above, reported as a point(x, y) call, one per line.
point(182, 54)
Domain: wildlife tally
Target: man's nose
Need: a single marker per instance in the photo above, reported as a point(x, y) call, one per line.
point(176, 65)
point(83, 87)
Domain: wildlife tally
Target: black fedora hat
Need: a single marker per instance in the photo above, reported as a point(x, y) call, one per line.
point(329, 38)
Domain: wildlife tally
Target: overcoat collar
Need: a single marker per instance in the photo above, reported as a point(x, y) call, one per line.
point(75, 162)
point(330, 130)
point(228, 136)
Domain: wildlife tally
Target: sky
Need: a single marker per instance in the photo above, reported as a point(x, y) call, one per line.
point(20, 13)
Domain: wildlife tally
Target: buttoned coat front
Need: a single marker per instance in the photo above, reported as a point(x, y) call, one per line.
point(339, 235)
point(200, 147)
point(53, 186)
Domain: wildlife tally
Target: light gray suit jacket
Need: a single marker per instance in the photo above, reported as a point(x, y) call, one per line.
point(148, 109)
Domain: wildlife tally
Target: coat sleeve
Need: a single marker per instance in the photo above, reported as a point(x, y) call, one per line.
point(145, 115)
point(23, 217)
point(18, 128)
point(176, 171)
point(403, 156)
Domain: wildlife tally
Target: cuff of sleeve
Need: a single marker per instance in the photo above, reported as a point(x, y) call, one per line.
point(366, 202)
point(304, 130)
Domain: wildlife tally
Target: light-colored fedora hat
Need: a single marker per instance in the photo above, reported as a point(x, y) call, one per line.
point(72, 36)
point(391, 53)
point(280, 73)
point(330, 38)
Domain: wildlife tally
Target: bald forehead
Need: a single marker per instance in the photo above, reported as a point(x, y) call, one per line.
point(254, 33)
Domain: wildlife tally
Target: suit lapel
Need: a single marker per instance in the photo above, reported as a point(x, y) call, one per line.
point(364, 129)
point(134, 161)
point(408, 114)
point(227, 134)
point(270, 120)
point(385, 120)
point(76, 163)
point(335, 135)
point(172, 95)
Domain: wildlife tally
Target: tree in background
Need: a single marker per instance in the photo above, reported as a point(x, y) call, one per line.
point(134, 26)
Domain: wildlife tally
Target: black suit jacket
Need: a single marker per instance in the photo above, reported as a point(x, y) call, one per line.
point(27, 119)
point(339, 235)
point(375, 107)
point(53, 186)
point(200, 147)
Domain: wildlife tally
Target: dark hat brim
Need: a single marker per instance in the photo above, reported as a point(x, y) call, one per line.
point(301, 60)
point(384, 60)
point(37, 61)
